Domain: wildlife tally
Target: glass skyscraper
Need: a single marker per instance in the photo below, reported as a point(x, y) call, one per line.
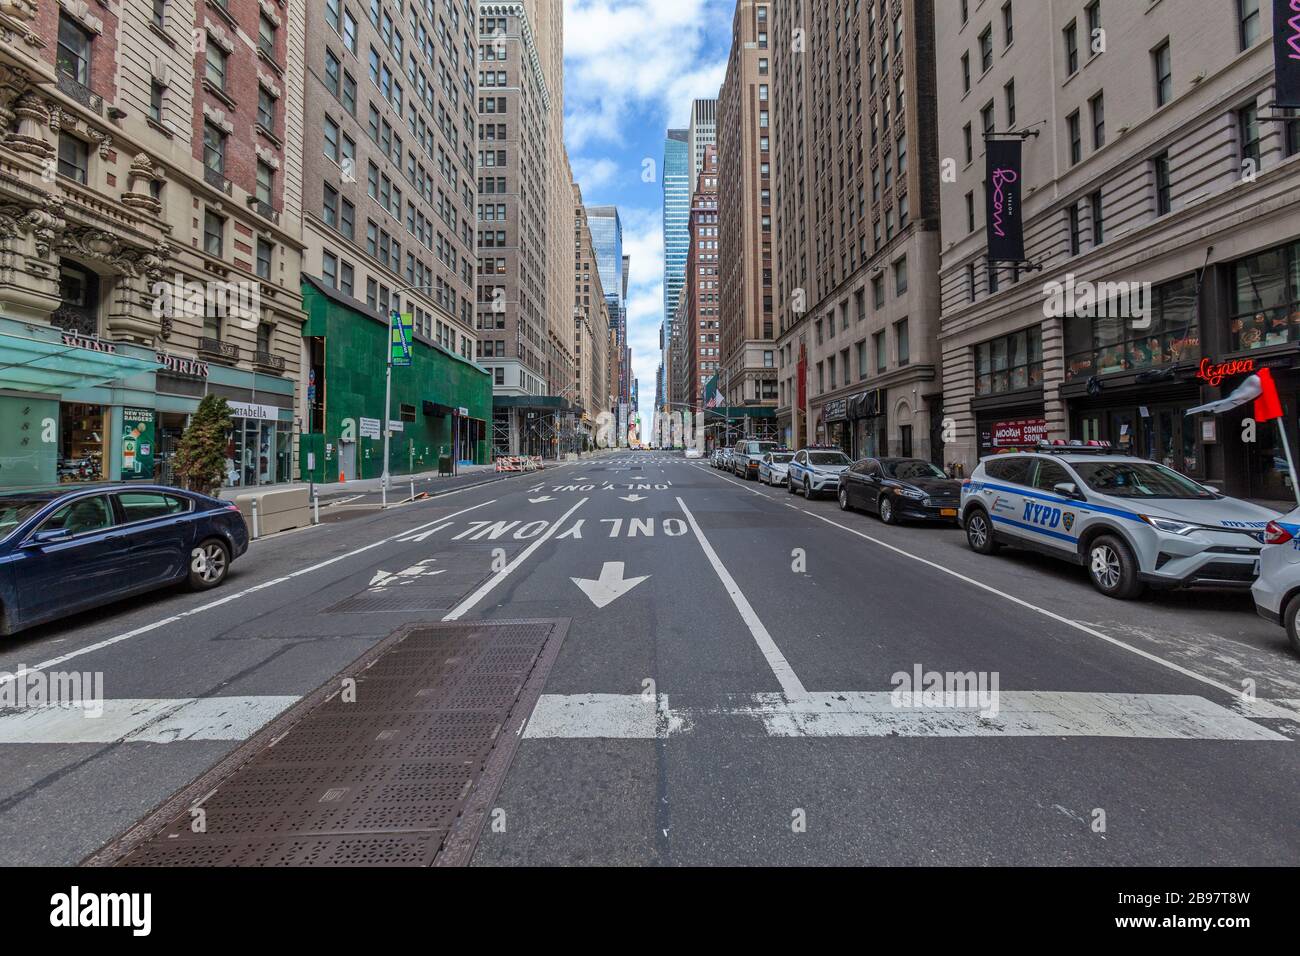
point(677, 169)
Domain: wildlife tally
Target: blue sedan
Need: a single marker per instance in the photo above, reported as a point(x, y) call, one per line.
point(66, 551)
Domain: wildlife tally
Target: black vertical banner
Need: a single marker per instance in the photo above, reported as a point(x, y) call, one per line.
point(1286, 52)
point(1005, 230)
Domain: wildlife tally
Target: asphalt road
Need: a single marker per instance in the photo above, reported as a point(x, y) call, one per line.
point(723, 691)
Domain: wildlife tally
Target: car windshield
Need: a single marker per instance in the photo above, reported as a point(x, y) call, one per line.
point(1138, 479)
point(14, 511)
point(912, 468)
point(758, 447)
point(781, 458)
point(828, 458)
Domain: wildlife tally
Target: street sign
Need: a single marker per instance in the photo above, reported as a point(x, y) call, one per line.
point(370, 427)
point(399, 343)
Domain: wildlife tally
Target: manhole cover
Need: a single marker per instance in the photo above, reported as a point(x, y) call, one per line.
point(394, 762)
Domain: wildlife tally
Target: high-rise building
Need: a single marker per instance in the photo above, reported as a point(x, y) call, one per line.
point(1159, 192)
point(591, 325)
point(702, 132)
point(677, 179)
point(702, 333)
point(857, 229)
point(748, 372)
point(607, 241)
point(151, 207)
point(524, 220)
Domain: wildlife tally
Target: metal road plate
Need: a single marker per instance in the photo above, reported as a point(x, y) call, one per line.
point(389, 777)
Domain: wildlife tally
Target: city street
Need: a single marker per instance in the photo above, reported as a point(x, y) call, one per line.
point(722, 690)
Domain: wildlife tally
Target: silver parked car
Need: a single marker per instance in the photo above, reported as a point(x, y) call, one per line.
point(773, 469)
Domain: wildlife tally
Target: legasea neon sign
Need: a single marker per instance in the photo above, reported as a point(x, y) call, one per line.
point(1213, 374)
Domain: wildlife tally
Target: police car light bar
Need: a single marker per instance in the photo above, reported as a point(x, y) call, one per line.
point(1074, 446)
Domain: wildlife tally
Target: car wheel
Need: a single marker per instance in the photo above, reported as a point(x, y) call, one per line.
point(886, 510)
point(979, 532)
point(807, 490)
point(844, 500)
point(1290, 616)
point(1112, 568)
point(209, 564)
point(789, 485)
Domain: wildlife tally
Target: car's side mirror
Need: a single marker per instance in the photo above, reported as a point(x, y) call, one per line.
point(1214, 491)
point(46, 537)
point(1067, 489)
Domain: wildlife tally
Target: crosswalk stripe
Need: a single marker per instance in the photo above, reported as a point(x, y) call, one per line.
point(144, 720)
point(874, 714)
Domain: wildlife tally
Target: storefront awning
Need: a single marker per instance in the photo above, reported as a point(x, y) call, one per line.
point(36, 365)
point(740, 411)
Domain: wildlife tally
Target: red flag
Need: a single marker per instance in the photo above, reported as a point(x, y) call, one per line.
point(1267, 406)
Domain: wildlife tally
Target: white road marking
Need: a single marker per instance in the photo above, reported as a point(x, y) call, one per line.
point(1077, 625)
point(385, 579)
point(873, 714)
point(143, 720)
point(534, 501)
point(785, 674)
point(632, 498)
point(486, 587)
point(163, 622)
point(610, 586)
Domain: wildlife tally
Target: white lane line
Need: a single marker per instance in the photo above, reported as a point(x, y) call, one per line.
point(486, 587)
point(146, 628)
point(141, 720)
point(873, 714)
point(1077, 625)
point(785, 674)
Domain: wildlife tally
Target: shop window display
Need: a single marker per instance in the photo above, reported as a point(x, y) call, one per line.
point(1166, 334)
point(82, 433)
point(1266, 299)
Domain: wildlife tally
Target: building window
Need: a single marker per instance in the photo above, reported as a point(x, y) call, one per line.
point(1292, 130)
point(1161, 166)
point(214, 60)
point(156, 101)
point(1097, 105)
point(265, 182)
point(331, 147)
point(214, 233)
point(1008, 27)
point(1164, 67)
point(882, 351)
point(1010, 91)
point(73, 58)
point(214, 148)
point(1098, 227)
point(1265, 297)
point(264, 250)
point(1071, 34)
point(1009, 363)
point(1248, 19)
point(159, 13)
point(970, 212)
point(969, 140)
point(970, 281)
point(902, 343)
point(266, 36)
point(1074, 137)
point(329, 269)
point(265, 109)
point(1072, 226)
point(988, 120)
point(878, 292)
point(965, 72)
point(1110, 342)
point(1093, 13)
point(74, 159)
point(1248, 130)
point(900, 276)
point(986, 49)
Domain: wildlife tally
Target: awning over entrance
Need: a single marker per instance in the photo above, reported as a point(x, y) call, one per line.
point(740, 411)
point(532, 402)
point(34, 365)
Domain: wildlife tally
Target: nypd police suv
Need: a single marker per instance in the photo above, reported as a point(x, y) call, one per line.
point(1277, 589)
point(815, 470)
point(1131, 522)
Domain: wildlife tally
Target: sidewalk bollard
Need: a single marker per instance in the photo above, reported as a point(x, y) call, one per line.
point(315, 506)
point(383, 493)
point(255, 528)
point(412, 489)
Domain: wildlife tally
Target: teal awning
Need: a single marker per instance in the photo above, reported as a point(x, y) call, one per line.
point(36, 365)
point(740, 411)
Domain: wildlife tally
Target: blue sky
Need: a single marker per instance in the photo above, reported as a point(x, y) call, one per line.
point(631, 69)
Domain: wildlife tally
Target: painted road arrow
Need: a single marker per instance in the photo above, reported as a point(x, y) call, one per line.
point(632, 498)
point(610, 586)
point(542, 498)
point(384, 579)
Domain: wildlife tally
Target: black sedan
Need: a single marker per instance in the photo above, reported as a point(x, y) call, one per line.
point(900, 489)
point(66, 551)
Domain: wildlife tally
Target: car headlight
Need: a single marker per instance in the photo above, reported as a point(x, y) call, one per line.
point(1169, 525)
point(913, 493)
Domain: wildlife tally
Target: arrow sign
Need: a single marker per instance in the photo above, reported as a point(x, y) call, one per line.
point(383, 579)
point(632, 498)
point(610, 586)
point(542, 498)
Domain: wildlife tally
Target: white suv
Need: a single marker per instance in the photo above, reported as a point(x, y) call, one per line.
point(1130, 521)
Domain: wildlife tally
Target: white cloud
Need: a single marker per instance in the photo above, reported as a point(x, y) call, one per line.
point(626, 59)
point(593, 174)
